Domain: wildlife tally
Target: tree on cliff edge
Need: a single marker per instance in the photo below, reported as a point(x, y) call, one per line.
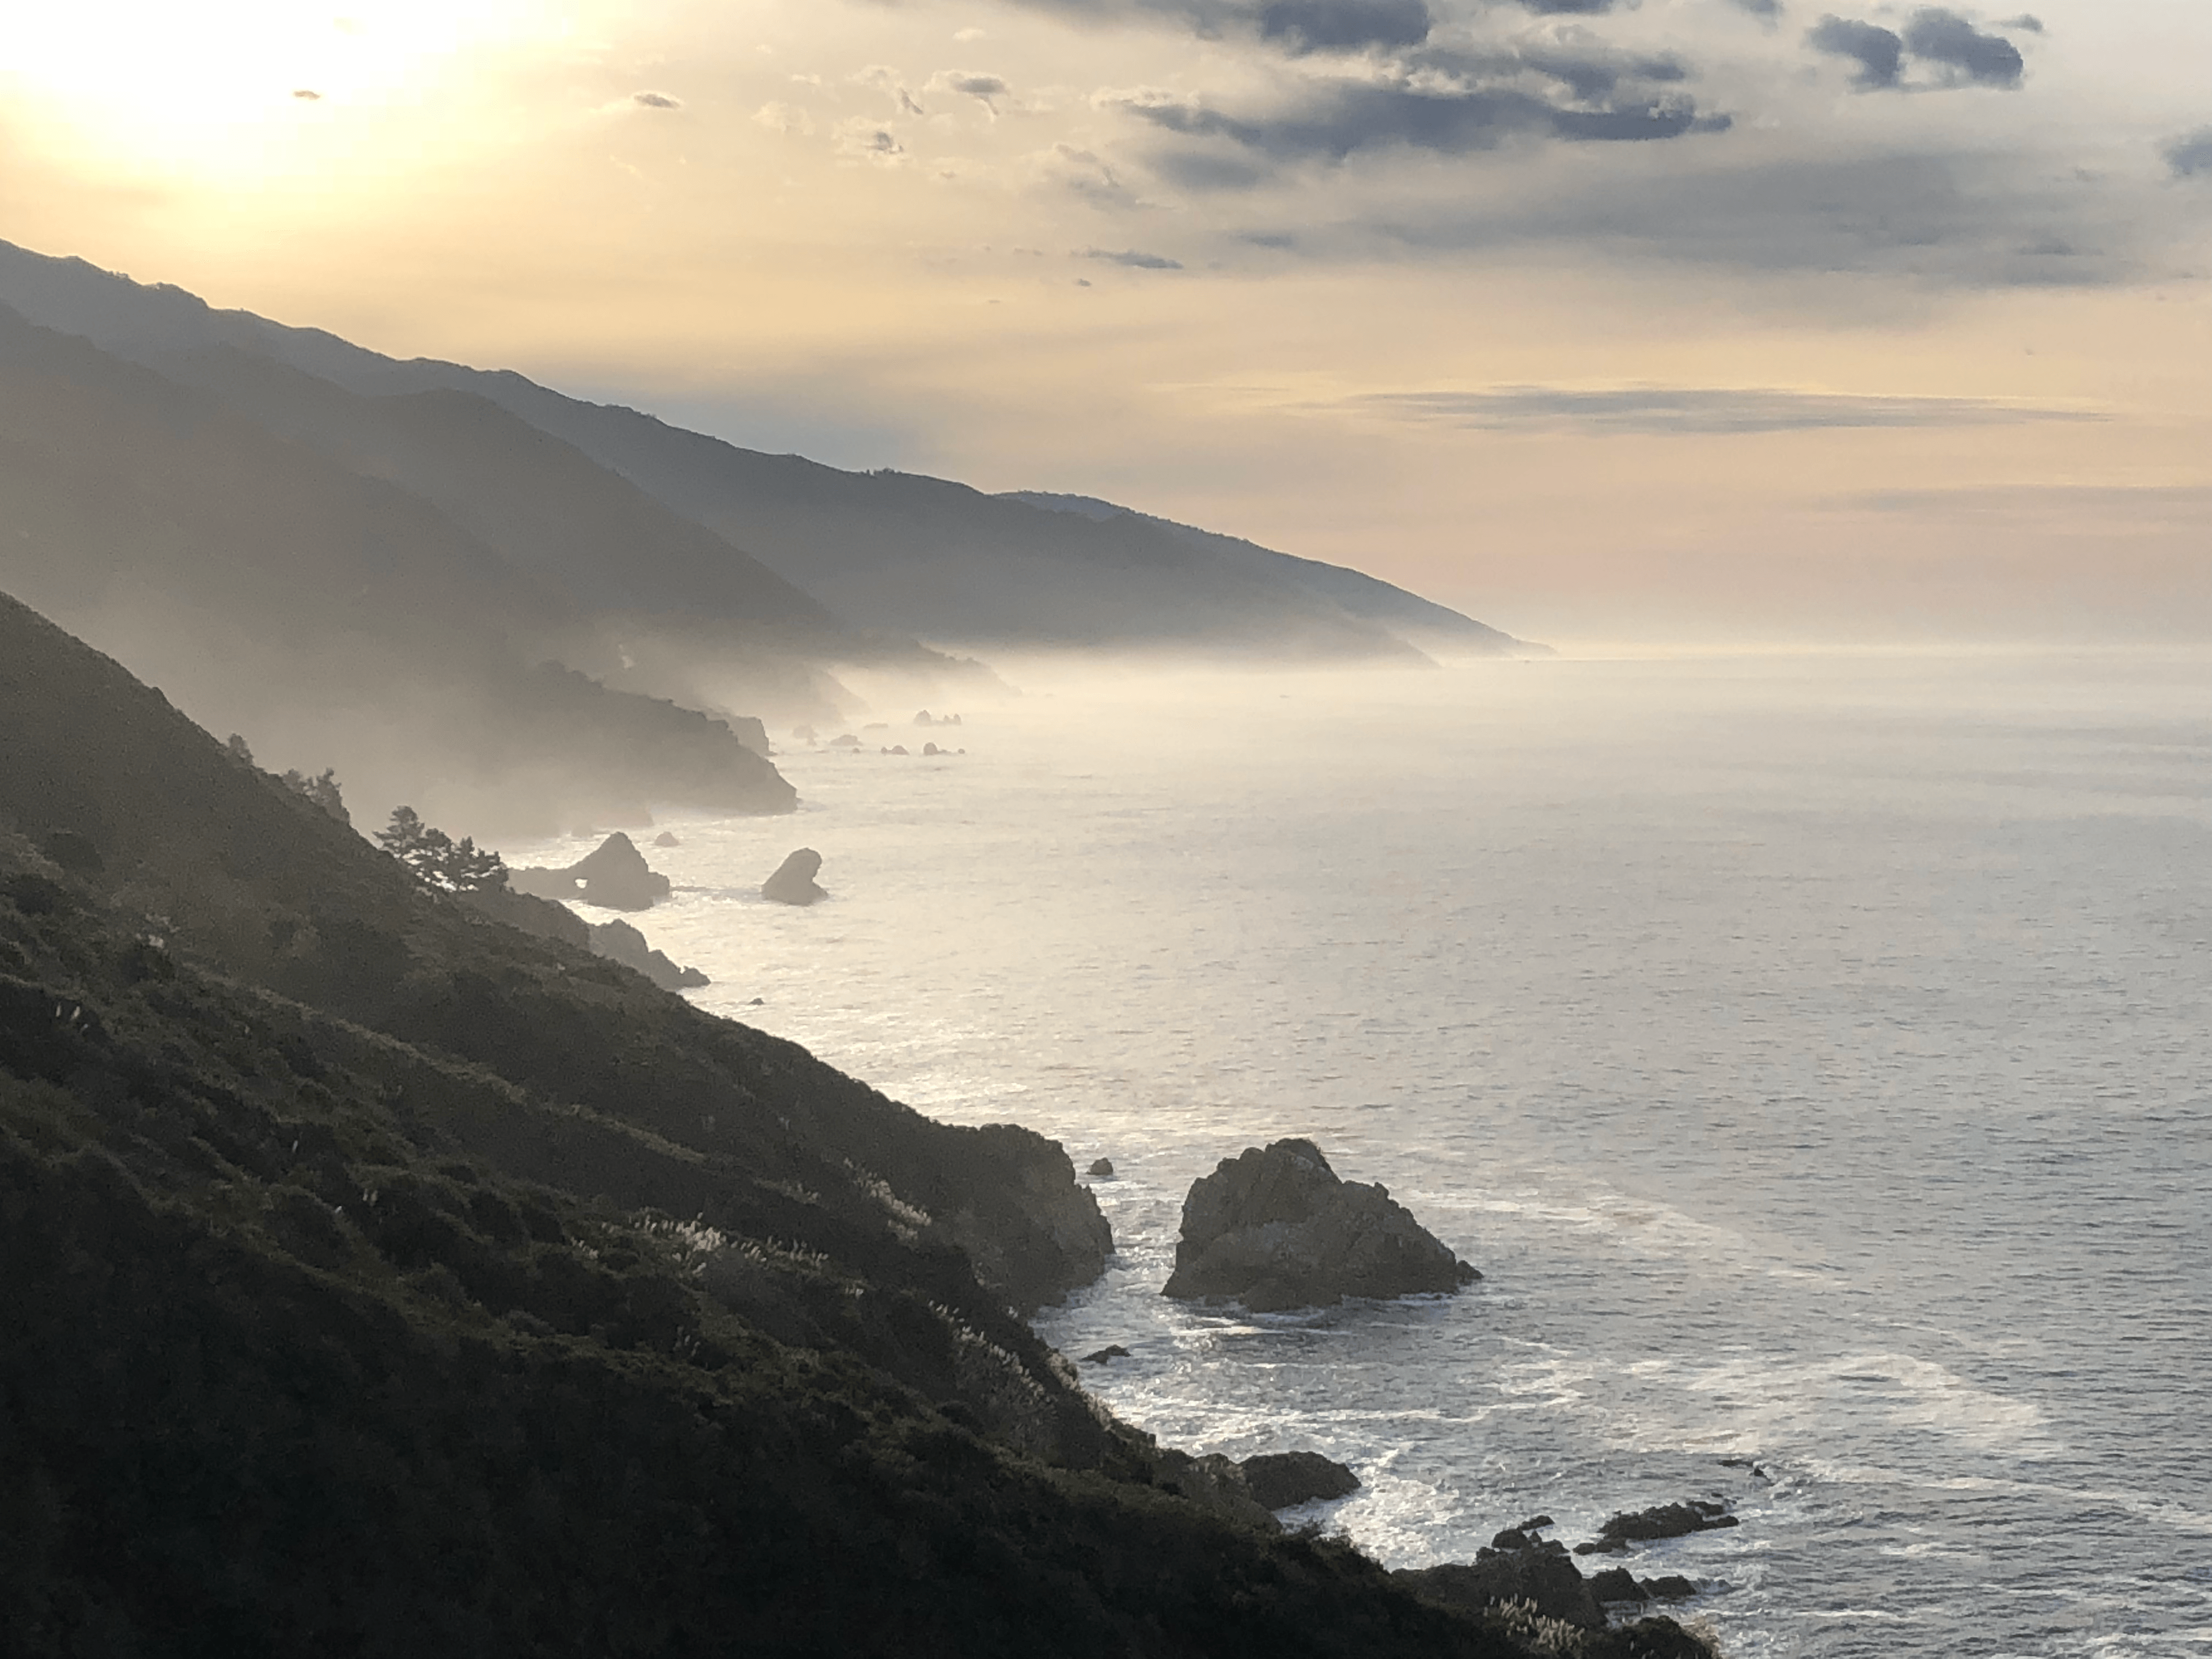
point(455, 866)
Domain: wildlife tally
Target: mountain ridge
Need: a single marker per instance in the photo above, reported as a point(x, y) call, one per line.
point(885, 549)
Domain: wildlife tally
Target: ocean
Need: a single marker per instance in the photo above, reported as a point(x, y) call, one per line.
point(1810, 1050)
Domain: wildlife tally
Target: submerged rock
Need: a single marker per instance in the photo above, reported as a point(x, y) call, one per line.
point(615, 877)
point(1280, 1479)
point(793, 881)
point(1278, 1228)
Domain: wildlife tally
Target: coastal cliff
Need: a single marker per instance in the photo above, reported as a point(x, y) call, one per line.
point(384, 1278)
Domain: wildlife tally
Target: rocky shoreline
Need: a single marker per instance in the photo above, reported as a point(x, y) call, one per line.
point(385, 1277)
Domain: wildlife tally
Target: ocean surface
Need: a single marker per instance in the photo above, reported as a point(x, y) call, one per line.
point(1811, 1051)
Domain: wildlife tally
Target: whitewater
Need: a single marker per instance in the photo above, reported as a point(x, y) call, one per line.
point(1810, 1050)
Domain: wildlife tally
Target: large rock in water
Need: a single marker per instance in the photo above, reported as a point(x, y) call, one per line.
point(615, 877)
point(1278, 1228)
point(793, 880)
point(1281, 1479)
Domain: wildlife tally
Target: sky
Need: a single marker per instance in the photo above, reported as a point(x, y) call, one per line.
point(1690, 321)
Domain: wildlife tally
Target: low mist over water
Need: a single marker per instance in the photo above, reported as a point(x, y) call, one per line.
point(1809, 1050)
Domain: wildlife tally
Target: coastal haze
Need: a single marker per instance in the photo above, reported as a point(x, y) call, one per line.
point(1807, 1049)
point(1603, 608)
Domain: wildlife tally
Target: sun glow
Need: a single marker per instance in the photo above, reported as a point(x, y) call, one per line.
point(242, 92)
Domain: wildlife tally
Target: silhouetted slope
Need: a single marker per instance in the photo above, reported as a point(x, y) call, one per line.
point(541, 505)
point(333, 617)
point(350, 1306)
point(883, 551)
point(1424, 622)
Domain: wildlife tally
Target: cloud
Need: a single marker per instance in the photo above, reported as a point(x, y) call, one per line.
point(656, 100)
point(869, 140)
point(1449, 103)
point(2189, 156)
point(783, 117)
point(1963, 55)
point(1084, 172)
point(1769, 10)
point(307, 94)
point(1661, 411)
point(1879, 53)
point(886, 80)
point(972, 83)
point(1344, 25)
point(2027, 23)
point(1963, 220)
point(1966, 54)
point(1132, 259)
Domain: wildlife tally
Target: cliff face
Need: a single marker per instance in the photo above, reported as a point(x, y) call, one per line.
point(382, 1279)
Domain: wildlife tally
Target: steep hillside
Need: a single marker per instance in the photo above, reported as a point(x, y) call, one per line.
point(335, 619)
point(887, 551)
point(383, 1280)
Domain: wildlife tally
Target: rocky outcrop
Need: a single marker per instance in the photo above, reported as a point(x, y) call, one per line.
point(1539, 1572)
point(1622, 1532)
point(793, 881)
point(1101, 1168)
point(619, 941)
point(1277, 1229)
point(1618, 1584)
point(615, 877)
point(1280, 1480)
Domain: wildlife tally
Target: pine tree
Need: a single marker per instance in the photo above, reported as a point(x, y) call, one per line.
point(432, 854)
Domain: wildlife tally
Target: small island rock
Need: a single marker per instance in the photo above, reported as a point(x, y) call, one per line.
point(666, 838)
point(1101, 1168)
point(793, 880)
point(1277, 1229)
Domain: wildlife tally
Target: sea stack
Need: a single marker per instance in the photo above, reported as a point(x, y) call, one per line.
point(615, 876)
point(793, 881)
point(1277, 1229)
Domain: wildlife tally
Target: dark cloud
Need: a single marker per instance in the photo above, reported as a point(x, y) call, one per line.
point(2189, 156)
point(1966, 54)
point(985, 89)
point(2027, 23)
point(1770, 9)
point(1447, 103)
point(1961, 54)
point(1683, 411)
point(1344, 25)
point(656, 100)
point(1568, 8)
point(1132, 259)
point(1879, 53)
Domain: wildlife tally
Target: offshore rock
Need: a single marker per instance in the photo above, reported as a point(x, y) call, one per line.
point(615, 877)
point(1662, 1521)
point(1281, 1479)
point(1277, 1229)
point(793, 881)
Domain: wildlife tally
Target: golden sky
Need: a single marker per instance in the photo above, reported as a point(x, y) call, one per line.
point(1689, 318)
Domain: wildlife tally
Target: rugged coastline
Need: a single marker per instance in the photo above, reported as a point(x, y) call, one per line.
point(388, 1278)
